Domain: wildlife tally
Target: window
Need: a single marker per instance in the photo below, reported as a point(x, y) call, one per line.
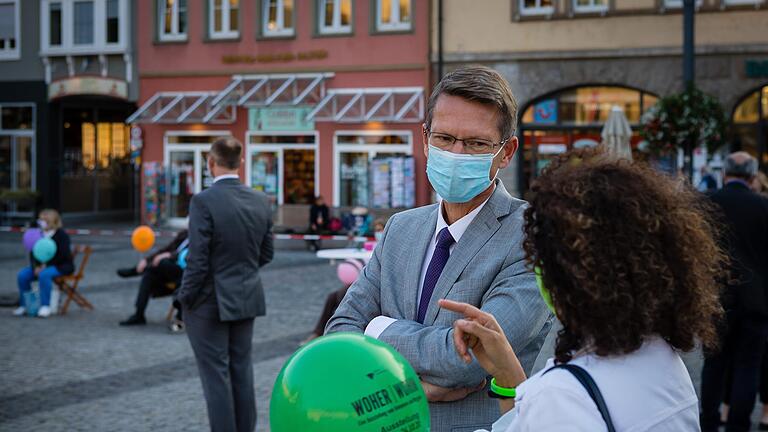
point(335, 16)
point(374, 169)
point(113, 22)
point(17, 150)
point(393, 15)
point(677, 4)
point(223, 20)
point(83, 26)
point(536, 7)
point(173, 20)
point(9, 30)
point(277, 18)
point(54, 24)
point(743, 2)
point(283, 166)
point(83, 23)
point(590, 5)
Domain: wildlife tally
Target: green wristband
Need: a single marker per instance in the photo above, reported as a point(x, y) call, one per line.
point(502, 391)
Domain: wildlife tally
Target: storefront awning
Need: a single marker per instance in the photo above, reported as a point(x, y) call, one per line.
point(253, 91)
point(360, 105)
point(184, 107)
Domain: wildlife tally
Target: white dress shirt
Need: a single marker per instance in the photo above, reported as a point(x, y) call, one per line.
point(647, 390)
point(226, 176)
point(377, 325)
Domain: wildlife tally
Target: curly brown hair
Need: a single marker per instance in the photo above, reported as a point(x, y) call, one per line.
point(626, 254)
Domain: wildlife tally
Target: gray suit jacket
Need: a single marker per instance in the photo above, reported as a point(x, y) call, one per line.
point(230, 237)
point(486, 269)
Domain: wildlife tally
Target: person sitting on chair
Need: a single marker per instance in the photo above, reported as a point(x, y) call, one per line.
point(160, 275)
point(61, 264)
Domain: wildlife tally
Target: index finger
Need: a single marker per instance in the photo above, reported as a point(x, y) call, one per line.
point(465, 309)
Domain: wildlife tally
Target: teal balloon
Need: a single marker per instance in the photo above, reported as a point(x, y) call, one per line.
point(44, 250)
point(182, 259)
point(348, 382)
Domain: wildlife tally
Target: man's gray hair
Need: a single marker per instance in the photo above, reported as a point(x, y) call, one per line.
point(479, 84)
point(741, 165)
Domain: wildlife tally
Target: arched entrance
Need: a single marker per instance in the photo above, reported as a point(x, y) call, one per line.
point(573, 118)
point(750, 125)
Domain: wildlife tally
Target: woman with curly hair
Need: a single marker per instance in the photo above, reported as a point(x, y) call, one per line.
point(628, 260)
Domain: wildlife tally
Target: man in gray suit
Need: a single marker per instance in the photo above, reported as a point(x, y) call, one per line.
point(230, 237)
point(466, 248)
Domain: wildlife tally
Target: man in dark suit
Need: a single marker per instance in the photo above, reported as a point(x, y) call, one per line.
point(230, 238)
point(745, 299)
point(160, 275)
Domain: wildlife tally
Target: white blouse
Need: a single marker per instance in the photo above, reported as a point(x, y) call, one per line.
point(649, 389)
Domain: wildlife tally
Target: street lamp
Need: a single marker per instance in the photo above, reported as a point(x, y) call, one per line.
point(689, 72)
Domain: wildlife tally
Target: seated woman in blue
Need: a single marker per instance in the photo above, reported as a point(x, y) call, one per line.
point(61, 264)
point(629, 263)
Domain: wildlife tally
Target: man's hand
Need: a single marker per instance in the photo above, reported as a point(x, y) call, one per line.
point(436, 393)
point(160, 257)
point(141, 266)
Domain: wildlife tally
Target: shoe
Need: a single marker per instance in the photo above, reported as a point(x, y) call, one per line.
point(134, 320)
point(44, 312)
point(19, 311)
point(127, 272)
point(762, 426)
point(177, 326)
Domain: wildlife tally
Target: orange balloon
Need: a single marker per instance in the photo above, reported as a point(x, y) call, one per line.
point(143, 238)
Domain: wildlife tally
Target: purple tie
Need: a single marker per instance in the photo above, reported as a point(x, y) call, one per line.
point(439, 258)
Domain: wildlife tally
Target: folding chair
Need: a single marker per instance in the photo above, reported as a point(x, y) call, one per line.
point(68, 284)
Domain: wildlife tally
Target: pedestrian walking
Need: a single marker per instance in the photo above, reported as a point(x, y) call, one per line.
point(230, 238)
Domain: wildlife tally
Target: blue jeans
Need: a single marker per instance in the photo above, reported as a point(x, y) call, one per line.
point(27, 275)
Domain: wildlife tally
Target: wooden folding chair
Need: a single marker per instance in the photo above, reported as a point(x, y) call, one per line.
point(171, 287)
point(68, 284)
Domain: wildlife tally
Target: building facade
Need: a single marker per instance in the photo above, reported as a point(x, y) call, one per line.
point(327, 97)
point(66, 88)
point(570, 61)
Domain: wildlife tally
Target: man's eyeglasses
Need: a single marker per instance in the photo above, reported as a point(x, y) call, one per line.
point(444, 141)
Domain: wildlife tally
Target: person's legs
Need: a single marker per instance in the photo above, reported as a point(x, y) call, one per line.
point(47, 275)
point(241, 371)
point(747, 355)
point(148, 282)
point(209, 338)
point(24, 281)
point(764, 387)
point(712, 385)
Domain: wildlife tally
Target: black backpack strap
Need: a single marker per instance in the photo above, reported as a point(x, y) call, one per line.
point(589, 385)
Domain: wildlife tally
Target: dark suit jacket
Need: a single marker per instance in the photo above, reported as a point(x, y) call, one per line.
point(63, 259)
point(230, 237)
point(171, 247)
point(746, 238)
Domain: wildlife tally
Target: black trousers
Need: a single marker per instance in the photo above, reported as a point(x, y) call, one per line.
point(154, 281)
point(740, 355)
point(223, 353)
point(763, 381)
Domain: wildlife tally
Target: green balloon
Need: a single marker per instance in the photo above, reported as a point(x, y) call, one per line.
point(348, 382)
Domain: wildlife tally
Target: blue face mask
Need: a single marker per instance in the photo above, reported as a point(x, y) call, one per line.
point(458, 178)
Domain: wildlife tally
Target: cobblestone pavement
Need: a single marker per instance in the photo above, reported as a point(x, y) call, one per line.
point(83, 372)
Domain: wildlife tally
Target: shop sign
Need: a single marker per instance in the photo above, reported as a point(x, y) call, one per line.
point(281, 57)
point(88, 86)
point(757, 68)
point(280, 119)
point(545, 112)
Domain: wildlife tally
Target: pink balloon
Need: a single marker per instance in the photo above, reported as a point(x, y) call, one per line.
point(31, 236)
point(348, 271)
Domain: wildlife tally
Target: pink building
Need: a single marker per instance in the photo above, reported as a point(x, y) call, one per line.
point(328, 97)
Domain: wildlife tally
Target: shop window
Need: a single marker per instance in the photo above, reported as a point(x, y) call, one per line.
point(536, 7)
point(283, 166)
point(335, 16)
point(375, 170)
point(278, 18)
point(590, 5)
point(393, 15)
point(748, 111)
point(16, 117)
point(743, 2)
point(173, 20)
point(677, 4)
point(10, 37)
point(224, 20)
